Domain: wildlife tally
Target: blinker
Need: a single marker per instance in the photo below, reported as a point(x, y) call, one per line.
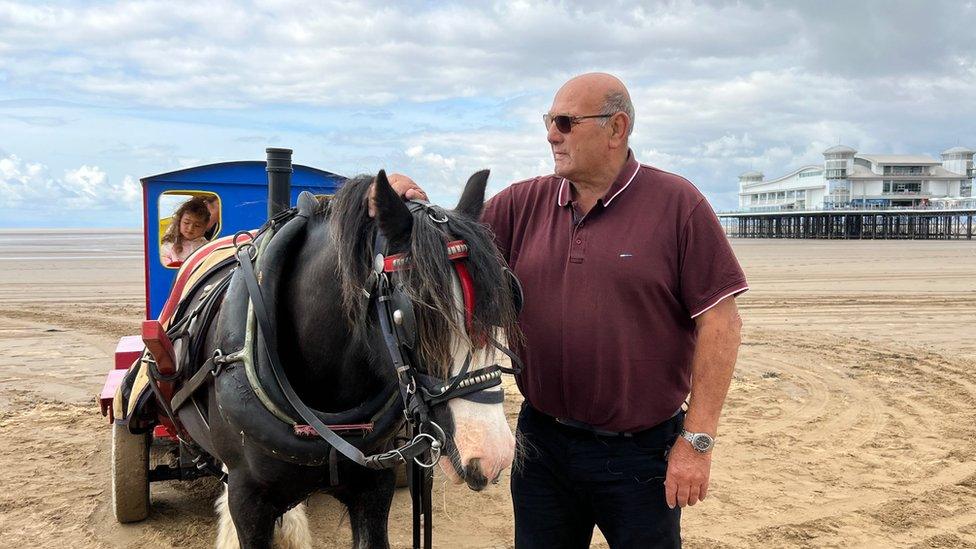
point(404, 320)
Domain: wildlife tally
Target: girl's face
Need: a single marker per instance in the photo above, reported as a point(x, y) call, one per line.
point(192, 226)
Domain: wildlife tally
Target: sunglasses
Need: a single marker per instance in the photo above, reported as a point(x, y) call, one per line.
point(564, 123)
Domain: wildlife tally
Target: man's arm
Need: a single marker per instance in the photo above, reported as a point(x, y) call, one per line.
point(718, 337)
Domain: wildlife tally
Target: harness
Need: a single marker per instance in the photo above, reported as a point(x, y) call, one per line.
point(418, 390)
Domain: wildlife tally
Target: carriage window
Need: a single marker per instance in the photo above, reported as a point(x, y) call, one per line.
point(187, 221)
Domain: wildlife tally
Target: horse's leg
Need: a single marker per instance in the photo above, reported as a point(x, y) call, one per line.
point(226, 533)
point(251, 514)
point(294, 532)
point(368, 498)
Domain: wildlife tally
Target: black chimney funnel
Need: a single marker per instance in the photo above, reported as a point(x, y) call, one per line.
point(279, 180)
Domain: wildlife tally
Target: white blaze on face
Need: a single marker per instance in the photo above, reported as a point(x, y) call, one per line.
point(480, 430)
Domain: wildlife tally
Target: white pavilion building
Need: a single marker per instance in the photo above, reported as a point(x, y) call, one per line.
point(848, 179)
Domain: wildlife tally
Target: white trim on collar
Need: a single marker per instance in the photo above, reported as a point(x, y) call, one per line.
point(607, 203)
point(559, 194)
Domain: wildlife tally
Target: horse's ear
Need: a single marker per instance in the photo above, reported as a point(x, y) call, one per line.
point(473, 198)
point(392, 215)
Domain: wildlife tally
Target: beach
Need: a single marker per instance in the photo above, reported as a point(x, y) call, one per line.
point(850, 422)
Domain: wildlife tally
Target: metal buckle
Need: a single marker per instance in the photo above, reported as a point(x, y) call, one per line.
point(432, 214)
point(249, 245)
point(435, 449)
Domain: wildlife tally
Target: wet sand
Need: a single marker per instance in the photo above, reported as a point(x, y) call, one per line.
point(850, 422)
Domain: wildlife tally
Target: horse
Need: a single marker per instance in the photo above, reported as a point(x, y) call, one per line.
point(326, 275)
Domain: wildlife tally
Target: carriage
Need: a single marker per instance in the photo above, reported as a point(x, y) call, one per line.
point(385, 355)
point(246, 192)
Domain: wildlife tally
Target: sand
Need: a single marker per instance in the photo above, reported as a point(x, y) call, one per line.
point(850, 421)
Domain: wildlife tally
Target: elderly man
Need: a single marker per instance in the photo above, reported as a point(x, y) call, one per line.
point(630, 288)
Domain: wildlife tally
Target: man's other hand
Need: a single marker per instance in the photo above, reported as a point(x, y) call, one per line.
point(403, 185)
point(687, 478)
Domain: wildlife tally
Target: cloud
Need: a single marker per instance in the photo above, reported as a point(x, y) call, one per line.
point(441, 90)
point(30, 187)
point(234, 54)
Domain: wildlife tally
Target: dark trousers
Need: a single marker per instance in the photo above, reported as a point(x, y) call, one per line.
point(567, 480)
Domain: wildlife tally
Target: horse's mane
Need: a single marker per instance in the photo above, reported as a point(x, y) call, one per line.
point(427, 283)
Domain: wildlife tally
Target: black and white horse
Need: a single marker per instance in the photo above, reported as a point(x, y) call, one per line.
point(320, 285)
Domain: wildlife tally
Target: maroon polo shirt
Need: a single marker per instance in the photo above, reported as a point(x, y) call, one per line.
point(610, 298)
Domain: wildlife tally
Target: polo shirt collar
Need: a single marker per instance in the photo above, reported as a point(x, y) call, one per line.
point(624, 179)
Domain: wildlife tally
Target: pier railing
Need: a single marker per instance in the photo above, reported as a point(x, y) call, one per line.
point(917, 223)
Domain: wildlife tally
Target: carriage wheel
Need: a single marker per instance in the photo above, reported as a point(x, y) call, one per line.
point(130, 474)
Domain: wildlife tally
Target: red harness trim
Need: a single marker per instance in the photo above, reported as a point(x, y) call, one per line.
point(457, 250)
point(467, 289)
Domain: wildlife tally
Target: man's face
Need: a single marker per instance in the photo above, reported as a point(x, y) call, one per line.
point(581, 152)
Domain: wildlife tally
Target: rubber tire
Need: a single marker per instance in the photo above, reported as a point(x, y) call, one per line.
point(130, 475)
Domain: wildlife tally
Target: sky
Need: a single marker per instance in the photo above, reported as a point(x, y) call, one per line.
point(96, 95)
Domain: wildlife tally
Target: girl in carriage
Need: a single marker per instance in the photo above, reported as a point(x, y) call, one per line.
point(186, 232)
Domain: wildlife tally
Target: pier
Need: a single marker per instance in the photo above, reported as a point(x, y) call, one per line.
point(889, 224)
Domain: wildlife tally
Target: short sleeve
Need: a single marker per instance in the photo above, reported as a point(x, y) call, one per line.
point(709, 271)
point(499, 216)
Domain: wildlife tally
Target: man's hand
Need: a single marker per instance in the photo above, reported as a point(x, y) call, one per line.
point(687, 478)
point(403, 185)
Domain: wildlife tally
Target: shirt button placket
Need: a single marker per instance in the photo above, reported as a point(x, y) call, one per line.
point(578, 246)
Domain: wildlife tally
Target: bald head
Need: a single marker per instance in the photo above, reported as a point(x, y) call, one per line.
point(600, 93)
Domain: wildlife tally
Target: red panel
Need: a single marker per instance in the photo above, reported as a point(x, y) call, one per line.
point(145, 241)
point(164, 431)
point(105, 398)
point(128, 351)
point(161, 348)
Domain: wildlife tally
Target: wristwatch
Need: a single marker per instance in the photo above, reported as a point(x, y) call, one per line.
point(701, 442)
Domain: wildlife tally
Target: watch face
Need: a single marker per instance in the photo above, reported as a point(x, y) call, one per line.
point(702, 442)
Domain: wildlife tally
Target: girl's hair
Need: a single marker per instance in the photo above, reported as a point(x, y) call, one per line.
point(196, 206)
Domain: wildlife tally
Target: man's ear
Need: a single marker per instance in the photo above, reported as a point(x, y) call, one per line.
point(394, 219)
point(473, 198)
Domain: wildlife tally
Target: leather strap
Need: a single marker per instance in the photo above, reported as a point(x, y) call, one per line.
point(191, 386)
point(266, 332)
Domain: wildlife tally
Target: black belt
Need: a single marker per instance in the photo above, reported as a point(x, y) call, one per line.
point(604, 432)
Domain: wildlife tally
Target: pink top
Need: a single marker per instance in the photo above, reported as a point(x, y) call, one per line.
point(610, 297)
point(170, 257)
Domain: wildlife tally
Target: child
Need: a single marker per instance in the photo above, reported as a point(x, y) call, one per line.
point(185, 232)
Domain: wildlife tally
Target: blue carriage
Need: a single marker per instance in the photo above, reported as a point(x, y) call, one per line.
point(241, 195)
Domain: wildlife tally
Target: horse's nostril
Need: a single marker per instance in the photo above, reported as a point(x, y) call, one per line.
point(473, 476)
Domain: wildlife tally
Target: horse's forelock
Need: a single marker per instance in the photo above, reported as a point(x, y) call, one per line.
point(430, 277)
point(433, 274)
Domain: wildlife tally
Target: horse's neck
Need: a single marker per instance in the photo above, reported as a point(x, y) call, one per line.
point(326, 361)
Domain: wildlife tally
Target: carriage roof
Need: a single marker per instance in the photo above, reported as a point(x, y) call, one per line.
point(242, 187)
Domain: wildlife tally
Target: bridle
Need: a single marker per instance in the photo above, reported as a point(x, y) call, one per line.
point(420, 390)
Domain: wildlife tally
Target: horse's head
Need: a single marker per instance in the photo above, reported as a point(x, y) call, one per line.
point(458, 299)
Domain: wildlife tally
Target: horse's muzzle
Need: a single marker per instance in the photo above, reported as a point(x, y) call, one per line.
point(474, 477)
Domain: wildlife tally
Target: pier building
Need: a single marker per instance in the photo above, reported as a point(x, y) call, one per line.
point(855, 195)
point(848, 179)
